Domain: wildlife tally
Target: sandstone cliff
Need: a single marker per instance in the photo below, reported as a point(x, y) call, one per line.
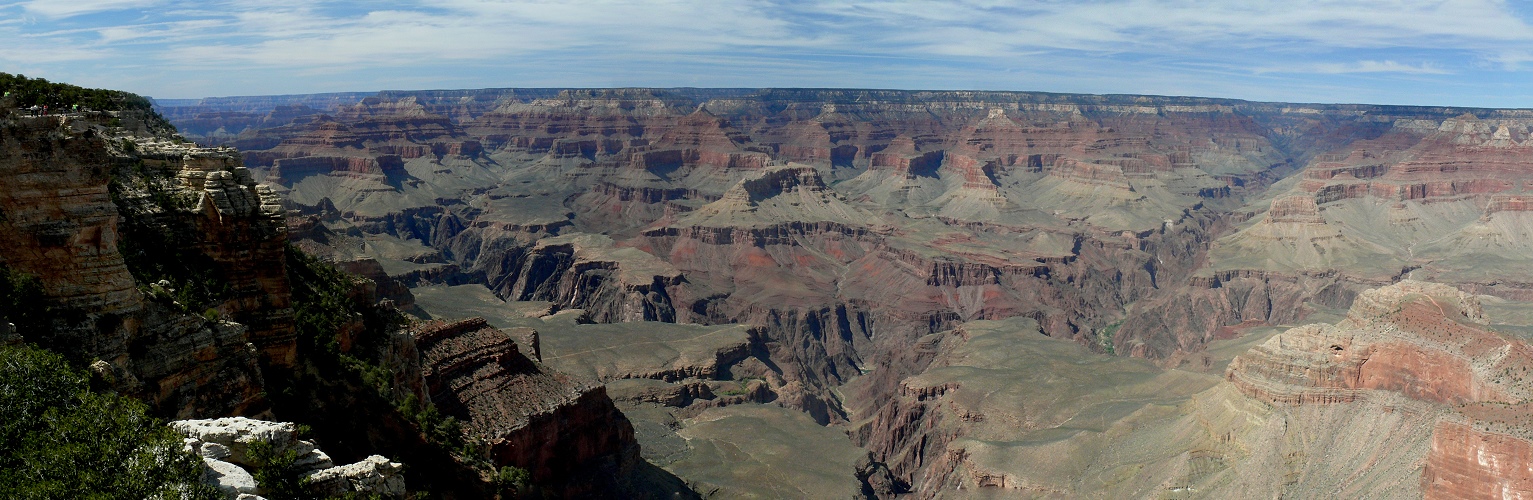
point(166, 268)
point(564, 430)
point(100, 222)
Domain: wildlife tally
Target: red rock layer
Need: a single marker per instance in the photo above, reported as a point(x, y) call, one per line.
point(293, 169)
point(533, 417)
point(1427, 342)
point(1420, 341)
point(1296, 209)
point(1461, 158)
point(1468, 463)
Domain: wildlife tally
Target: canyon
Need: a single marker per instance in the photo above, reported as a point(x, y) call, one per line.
point(875, 242)
point(819, 292)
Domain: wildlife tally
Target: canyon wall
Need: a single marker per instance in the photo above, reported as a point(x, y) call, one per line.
point(847, 226)
point(83, 211)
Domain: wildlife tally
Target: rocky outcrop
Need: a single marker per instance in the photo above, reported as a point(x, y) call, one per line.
point(225, 445)
point(1427, 342)
point(294, 169)
point(86, 211)
point(1469, 463)
point(561, 429)
point(1424, 340)
point(372, 475)
point(1294, 209)
point(59, 215)
point(587, 272)
point(241, 229)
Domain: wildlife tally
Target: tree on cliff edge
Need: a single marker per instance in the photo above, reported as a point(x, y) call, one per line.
point(64, 441)
point(21, 92)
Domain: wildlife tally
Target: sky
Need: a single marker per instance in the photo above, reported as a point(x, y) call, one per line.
point(1420, 52)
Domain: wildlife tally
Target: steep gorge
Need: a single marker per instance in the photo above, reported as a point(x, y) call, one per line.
point(848, 226)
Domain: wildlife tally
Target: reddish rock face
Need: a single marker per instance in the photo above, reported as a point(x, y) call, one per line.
point(61, 223)
point(1300, 209)
point(1421, 340)
point(547, 422)
point(1461, 156)
point(1468, 463)
point(1427, 342)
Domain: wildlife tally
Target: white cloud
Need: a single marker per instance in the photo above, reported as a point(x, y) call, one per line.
point(1160, 46)
point(1181, 25)
point(1384, 66)
point(70, 8)
point(1509, 60)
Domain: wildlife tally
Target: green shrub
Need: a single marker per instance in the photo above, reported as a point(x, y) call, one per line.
point(275, 472)
point(22, 301)
point(64, 441)
point(512, 478)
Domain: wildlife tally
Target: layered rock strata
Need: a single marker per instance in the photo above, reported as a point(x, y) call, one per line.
point(846, 225)
point(1427, 342)
point(72, 197)
point(549, 423)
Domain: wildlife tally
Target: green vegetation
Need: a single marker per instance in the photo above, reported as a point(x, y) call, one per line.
point(22, 301)
point(64, 441)
point(25, 92)
point(1104, 338)
point(511, 479)
point(440, 429)
point(275, 472)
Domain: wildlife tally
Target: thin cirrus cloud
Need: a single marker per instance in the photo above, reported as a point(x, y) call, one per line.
point(64, 9)
point(1367, 66)
point(1463, 52)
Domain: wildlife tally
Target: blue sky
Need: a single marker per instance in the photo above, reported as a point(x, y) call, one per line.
point(1442, 52)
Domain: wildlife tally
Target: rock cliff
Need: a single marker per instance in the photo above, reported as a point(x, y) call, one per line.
point(227, 446)
point(166, 269)
point(101, 222)
point(563, 430)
